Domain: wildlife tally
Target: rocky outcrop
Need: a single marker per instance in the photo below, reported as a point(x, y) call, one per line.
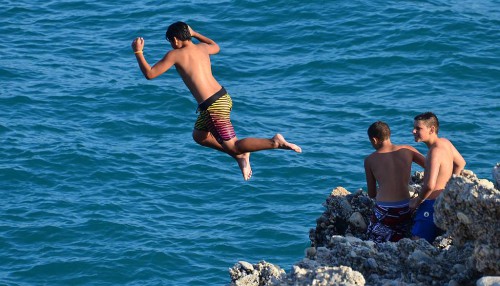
point(303, 273)
point(345, 214)
point(260, 274)
point(314, 273)
point(469, 211)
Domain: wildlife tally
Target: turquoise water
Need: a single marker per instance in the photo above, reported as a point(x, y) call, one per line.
point(102, 183)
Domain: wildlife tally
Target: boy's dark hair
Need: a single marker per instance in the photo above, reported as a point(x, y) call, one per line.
point(180, 30)
point(429, 119)
point(379, 130)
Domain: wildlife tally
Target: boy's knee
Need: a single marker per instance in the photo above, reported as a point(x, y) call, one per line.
point(232, 147)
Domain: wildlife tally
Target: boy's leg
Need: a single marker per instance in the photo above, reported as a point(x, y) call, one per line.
point(206, 139)
point(236, 147)
point(243, 148)
point(258, 144)
point(240, 149)
point(424, 226)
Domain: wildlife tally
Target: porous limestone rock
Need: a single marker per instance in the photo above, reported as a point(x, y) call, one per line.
point(405, 261)
point(489, 281)
point(469, 209)
point(345, 214)
point(309, 272)
point(260, 274)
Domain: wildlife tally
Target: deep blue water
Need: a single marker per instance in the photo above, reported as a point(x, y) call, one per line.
point(102, 183)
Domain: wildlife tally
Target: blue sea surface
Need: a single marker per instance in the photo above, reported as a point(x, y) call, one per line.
point(101, 181)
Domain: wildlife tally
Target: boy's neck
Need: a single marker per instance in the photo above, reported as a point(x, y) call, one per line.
point(385, 146)
point(185, 43)
point(432, 141)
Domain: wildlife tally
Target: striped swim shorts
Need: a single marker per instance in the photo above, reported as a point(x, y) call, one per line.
point(214, 116)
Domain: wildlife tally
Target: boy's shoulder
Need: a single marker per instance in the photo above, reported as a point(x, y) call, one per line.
point(441, 143)
point(371, 157)
point(407, 147)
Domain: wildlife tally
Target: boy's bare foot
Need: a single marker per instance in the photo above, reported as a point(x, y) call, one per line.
point(244, 164)
point(283, 144)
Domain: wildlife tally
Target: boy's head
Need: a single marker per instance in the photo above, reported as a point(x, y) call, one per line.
point(378, 132)
point(429, 119)
point(179, 30)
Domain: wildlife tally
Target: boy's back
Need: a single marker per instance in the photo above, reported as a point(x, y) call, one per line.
point(392, 170)
point(192, 62)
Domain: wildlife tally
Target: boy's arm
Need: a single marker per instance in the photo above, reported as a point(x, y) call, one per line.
point(371, 183)
point(458, 161)
point(160, 67)
point(212, 46)
point(430, 178)
point(417, 157)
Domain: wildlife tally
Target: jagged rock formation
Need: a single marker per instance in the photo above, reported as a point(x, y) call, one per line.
point(260, 274)
point(469, 211)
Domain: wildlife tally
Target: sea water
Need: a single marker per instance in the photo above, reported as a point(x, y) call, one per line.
point(102, 184)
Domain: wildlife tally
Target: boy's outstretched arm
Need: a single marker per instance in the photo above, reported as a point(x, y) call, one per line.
point(213, 47)
point(160, 67)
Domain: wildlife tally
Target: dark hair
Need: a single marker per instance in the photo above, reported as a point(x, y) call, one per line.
point(379, 130)
point(180, 30)
point(429, 119)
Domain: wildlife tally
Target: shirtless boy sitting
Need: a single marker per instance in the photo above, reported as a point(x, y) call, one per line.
point(441, 162)
point(213, 127)
point(390, 167)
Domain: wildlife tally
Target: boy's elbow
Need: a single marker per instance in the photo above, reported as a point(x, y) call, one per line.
point(460, 168)
point(371, 191)
point(149, 76)
point(215, 49)
point(428, 188)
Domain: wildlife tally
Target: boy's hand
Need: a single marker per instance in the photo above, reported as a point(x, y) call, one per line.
point(191, 32)
point(138, 44)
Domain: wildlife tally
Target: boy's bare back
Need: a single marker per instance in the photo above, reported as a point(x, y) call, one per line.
point(389, 166)
point(391, 169)
point(192, 62)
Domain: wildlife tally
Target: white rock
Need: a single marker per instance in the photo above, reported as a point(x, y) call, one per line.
point(245, 265)
point(488, 281)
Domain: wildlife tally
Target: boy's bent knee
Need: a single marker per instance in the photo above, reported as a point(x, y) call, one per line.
point(231, 146)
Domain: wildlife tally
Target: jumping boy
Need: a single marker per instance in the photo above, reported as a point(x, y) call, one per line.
point(441, 162)
point(213, 127)
point(390, 167)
